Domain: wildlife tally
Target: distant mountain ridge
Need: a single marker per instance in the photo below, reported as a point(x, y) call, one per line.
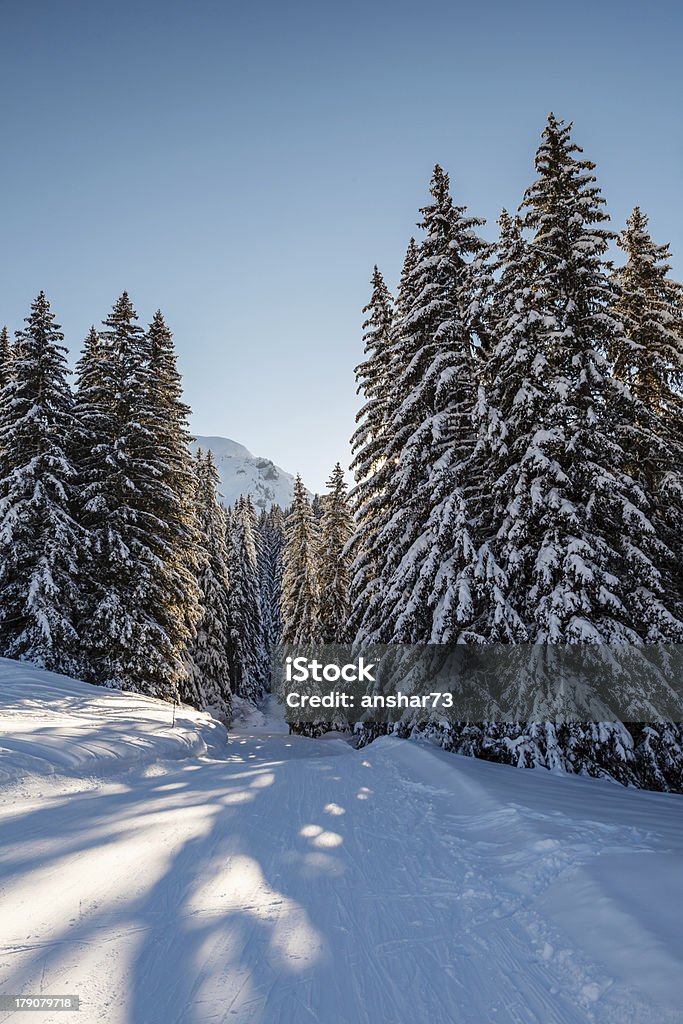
point(244, 473)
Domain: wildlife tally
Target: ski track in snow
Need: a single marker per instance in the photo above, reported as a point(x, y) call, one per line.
point(168, 877)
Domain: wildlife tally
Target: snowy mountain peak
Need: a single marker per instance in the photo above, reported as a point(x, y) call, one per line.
point(244, 473)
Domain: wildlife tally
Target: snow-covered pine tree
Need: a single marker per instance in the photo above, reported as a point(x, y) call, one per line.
point(336, 529)
point(649, 360)
point(171, 503)
point(300, 585)
point(207, 683)
point(5, 357)
point(277, 547)
point(271, 538)
point(514, 408)
point(110, 381)
point(587, 525)
point(569, 522)
point(317, 507)
point(428, 550)
point(405, 295)
point(39, 538)
point(5, 375)
point(369, 443)
point(91, 426)
point(366, 610)
point(134, 625)
point(251, 511)
point(248, 656)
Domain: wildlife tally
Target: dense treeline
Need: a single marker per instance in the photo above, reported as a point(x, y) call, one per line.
point(315, 582)
point(118, 562)
point(519, 453)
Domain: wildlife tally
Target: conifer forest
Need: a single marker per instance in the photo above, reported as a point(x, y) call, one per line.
point(517, 466)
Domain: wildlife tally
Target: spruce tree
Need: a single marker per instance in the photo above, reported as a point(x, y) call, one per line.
point(336, 530)
point(527, 442)
point(650, 305)
point(514, 409)
point(5, 376)
point(135, 624)
point(649, 359)
point(591, 518)
point(369, 444)
point(207, 683)
point(300, 584)
point(568, 521)
point(248, 656)
point(5, 358)
point(271, 538)
point(110, 381)
point(405, 295)
point(92, 426)
point(371, 497)
point(317, 507)
point(426, 536)
point(171, 503)
point(39, 538)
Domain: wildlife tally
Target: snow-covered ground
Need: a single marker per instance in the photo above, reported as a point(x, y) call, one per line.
point(168, 876)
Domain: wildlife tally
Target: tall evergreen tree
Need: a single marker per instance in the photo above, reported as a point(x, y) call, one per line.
point(515, 406)
point(92, 427)
point(136, 626)
point(248, 657)
point(336, 530)
point(591, 516)
point(405, 295)
point(317, 507)
point(271, 538)
point(5, 357)
point(5, 376)
point(649, 359)
point(110, 381)
point(39, 538)
point(369, 444)
point(207, 683)
point(650, 305)
point(568, 521)
point(428, 551)
point(171, 503)
point(300, 585)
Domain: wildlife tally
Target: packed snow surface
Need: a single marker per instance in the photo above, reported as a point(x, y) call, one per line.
point(244, 473)
point(167, 874)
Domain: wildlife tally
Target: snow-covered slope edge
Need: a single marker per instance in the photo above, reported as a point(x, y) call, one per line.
point(591, 870)
point(50, 724)
point(244, 473)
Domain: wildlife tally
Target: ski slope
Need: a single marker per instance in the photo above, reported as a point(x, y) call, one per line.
point(168, 876)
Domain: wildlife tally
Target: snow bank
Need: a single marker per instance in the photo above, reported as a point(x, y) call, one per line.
point(594, 867)
point(50, 724)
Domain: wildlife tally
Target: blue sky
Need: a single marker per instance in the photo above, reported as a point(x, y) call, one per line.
point(243, 166)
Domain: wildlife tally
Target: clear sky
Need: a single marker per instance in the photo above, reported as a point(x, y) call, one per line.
point(242, 166)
